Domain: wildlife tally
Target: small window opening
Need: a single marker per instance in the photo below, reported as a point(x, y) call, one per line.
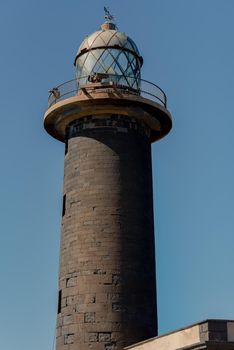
point(59, 301)
point(64, 205)
point(66, 146)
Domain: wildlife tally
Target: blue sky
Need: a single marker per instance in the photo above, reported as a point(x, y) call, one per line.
point(188, 50)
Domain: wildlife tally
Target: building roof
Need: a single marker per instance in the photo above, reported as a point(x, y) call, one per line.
point(209, 334)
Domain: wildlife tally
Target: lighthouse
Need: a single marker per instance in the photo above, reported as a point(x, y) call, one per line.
point(107, 116)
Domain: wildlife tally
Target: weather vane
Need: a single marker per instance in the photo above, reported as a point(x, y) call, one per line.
point(108, 16)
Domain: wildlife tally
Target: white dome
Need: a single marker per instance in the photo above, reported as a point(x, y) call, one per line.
point(107, 37)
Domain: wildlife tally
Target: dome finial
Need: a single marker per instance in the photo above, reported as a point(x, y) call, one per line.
point(108, 16)
point(109, 23)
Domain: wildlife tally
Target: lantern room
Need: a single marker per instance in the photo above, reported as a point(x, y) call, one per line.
point(109, 55)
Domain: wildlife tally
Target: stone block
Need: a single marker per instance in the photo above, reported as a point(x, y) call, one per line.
point(117, 336)
point(68, 310)
point(62, 347)
point(70, 300)
point(58, 332)
point(89, 317)
point(69, 338)
point(64, 330)
point(90, 298)
point(78, 318)
point(115, 297)
point(80, 308)
point(118, 307)
point(110, 346)
point(108, 317)
point(91, 337)
point(60, 341)
point(104, 337)
point(67, 319)
point(71, 282)
point(116, 279)
point(101, 297)
point(64, 302)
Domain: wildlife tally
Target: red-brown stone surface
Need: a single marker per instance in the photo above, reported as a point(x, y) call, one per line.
point(107, 260)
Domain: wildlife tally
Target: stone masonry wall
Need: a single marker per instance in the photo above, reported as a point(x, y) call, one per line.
point(107, 260)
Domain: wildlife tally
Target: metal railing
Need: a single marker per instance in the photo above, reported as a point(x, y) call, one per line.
point(124, 84)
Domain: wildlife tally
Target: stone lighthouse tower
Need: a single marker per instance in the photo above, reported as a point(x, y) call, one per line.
point(107, 117)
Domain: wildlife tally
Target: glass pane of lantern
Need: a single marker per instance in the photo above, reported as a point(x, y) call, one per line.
point(99, 65)
point(97, 53)
point(123, 61)
point(107, 59)
point(90, 62)
point(97, 68)
point(81, 59)
point(80, 64)
point(134, 47)
point(115, 52)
